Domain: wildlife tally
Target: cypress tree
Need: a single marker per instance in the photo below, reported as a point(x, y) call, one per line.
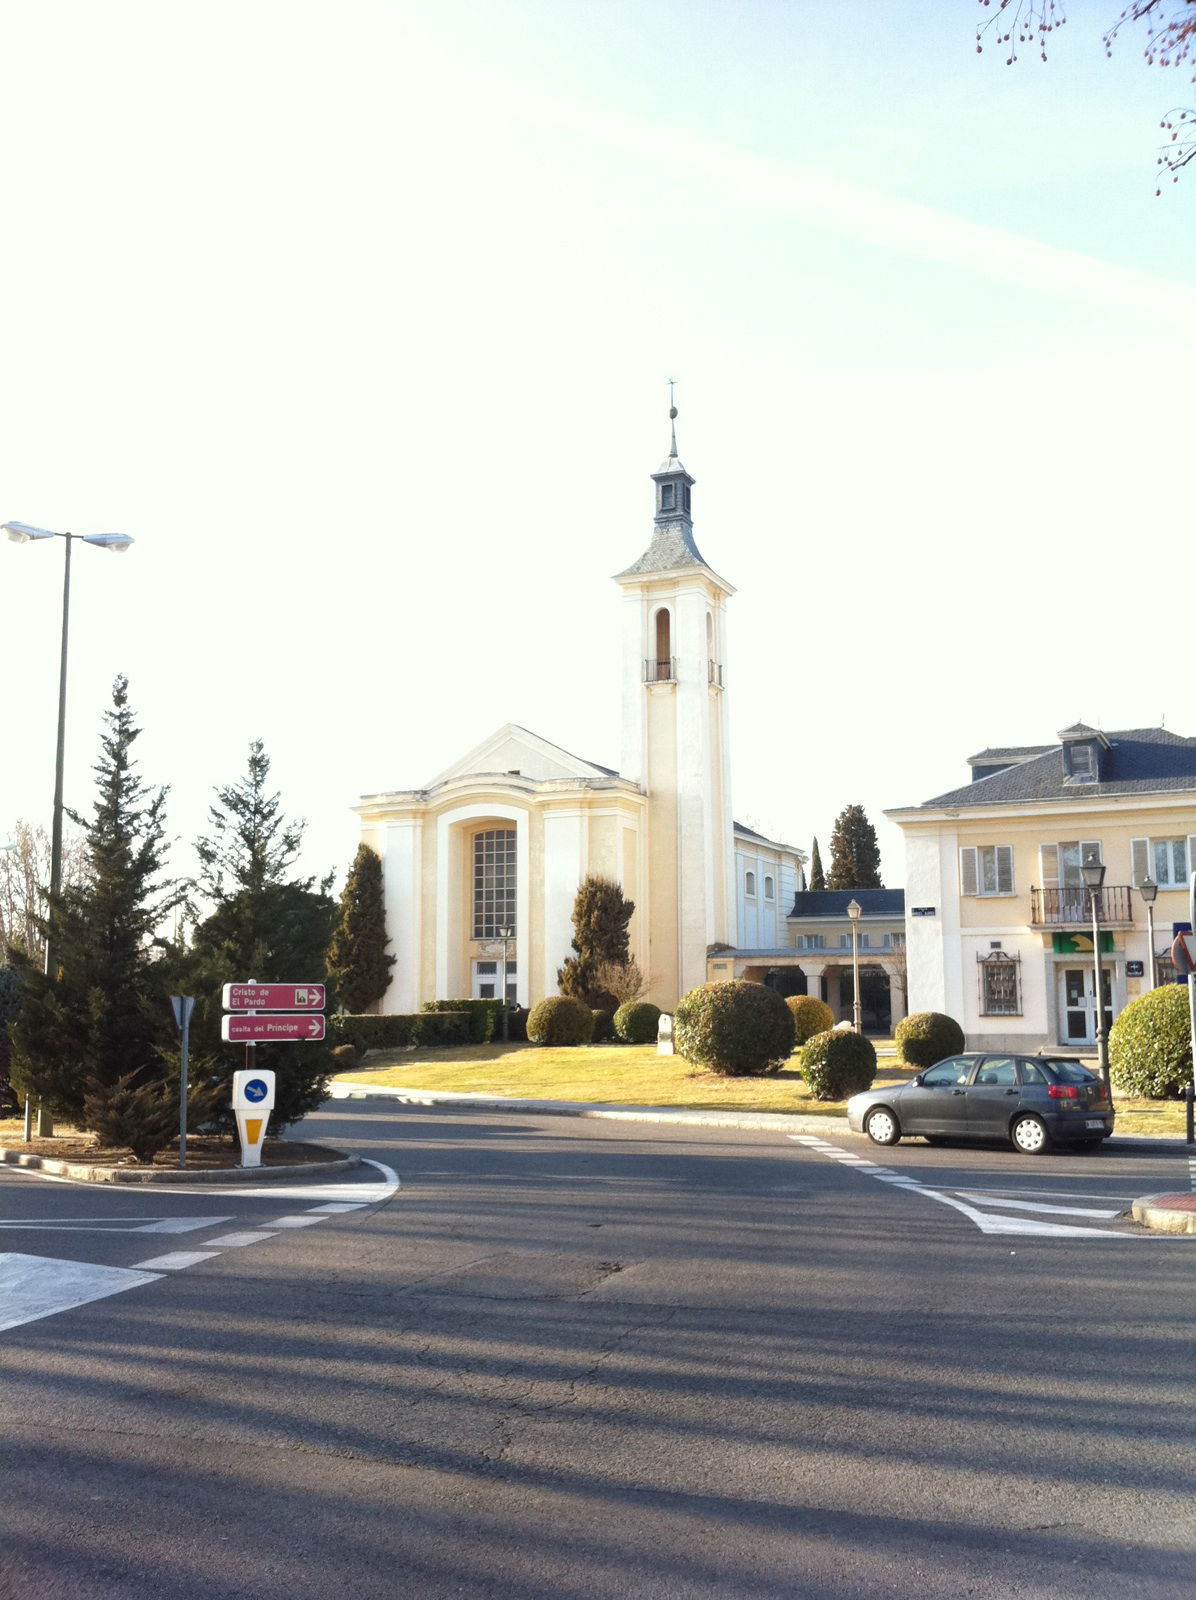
point(817, 876)
point(99, 1025)
point(264, 924)
point(855, 854)
point(357, 957)
point(601, 913)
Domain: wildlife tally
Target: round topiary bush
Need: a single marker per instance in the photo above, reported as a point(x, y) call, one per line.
point(837, 1063)
point(560, 1020)
point(927, 1037)
point(736, 1028)
point(604, 1027)
point(636, 1022)
point(1150, 1044)
point(810, 1016)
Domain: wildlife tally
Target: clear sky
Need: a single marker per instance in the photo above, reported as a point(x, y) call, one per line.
point(358, 318)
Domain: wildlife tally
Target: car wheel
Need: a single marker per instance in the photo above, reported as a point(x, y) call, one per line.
point(1029, 1136)
point(882, 1126)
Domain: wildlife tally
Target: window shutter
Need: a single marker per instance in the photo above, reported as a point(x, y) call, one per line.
point(1191, 855)
point(1048, 855)
point(969, 883)
point(1139, 860)
point(1004, 869)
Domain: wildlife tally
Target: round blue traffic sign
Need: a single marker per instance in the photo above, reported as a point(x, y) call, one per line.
point(256, 1090)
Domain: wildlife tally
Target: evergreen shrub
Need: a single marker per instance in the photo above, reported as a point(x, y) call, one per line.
point(604, 1027)
point(837, 1063)
point(810, 1016)
point(927, 1037)
point(1150, 1045)
point(485, 1016)
point(560, 1020)
point(735, 1029)
point(636, 1022)
point(10, 1007)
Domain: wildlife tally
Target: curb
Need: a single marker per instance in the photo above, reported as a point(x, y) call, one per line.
point(781, 1121)
point(1166, 1213)
point(137, 1176)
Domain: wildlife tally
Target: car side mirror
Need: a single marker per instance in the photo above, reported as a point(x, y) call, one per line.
point(915, 1080)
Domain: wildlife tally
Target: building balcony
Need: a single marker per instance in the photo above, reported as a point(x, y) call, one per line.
point(662, 669)
point(1068, 908)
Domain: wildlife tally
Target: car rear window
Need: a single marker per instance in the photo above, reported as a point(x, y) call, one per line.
point(1069, 1071)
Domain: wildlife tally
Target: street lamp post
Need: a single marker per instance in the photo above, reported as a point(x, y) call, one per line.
point(853, 911)
point(1148, 889)
point(24, 533)
point(1092, 870)
point(505, 934)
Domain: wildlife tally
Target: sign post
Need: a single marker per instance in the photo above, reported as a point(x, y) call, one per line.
point(183, 1005)
point(1191, 979)
point(253, 1100)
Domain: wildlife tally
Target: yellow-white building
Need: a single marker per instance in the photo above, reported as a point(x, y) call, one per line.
point(998, 922)
point(481, 865)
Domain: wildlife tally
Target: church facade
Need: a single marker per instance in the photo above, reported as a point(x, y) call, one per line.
point(482, 864)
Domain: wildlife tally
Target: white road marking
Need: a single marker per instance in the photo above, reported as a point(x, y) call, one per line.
point(339, 1206)
point(180, 1224)
point(176, 1259)
point(293, 1222)
point(1030, 1205)
point(40, 1286)
point(231, 1239)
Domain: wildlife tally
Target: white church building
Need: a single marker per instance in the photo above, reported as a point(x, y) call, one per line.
point(482, 864)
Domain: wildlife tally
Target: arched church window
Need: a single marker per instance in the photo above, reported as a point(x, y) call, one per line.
point(770, 892)
point(661, 665)
point(494, 882)
point(749, 883)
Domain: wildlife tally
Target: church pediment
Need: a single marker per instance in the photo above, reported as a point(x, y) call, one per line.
point(516, 750)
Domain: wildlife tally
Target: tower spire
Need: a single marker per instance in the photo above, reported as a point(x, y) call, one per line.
point(672, 420)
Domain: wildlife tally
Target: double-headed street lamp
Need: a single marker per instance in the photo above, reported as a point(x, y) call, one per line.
point(1149, 889)
point(22, 533)
point(853, 911)
point(1092, 870)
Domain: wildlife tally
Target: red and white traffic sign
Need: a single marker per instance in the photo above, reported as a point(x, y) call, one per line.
point(1183, 952)
point(271, 1030)
point(273, 997)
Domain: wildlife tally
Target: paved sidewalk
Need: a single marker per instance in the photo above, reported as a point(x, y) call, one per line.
point(1166, 1213)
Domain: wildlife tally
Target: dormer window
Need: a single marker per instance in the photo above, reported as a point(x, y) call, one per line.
point(1081, 764)
point(668, 496)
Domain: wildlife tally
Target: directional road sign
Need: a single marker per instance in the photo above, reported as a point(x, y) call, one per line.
point(274, 997)
point(271, 1030)
point(1183, 952)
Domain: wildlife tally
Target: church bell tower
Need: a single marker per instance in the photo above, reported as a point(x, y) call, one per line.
point(676, 741)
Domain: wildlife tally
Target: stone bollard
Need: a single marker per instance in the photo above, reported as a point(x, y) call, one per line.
point(664, 1035)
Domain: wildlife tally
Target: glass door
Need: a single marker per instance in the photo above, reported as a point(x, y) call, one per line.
point(1077, 1003)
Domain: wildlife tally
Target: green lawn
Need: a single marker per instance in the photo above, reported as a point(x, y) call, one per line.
point(634, 1075)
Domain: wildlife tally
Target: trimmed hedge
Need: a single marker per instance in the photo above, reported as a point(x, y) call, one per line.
point(636, 1022)
point(560, 1020)
point(927, 1037)
point(1150, 1044)
point(810, 1016)
point(736, 1028)
point(394, 1032)
point(837, 1063)
point(484, 1016)
point(604, 1027)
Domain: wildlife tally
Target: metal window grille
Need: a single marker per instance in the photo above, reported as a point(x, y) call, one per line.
point(1000, 984)
point(493, 882)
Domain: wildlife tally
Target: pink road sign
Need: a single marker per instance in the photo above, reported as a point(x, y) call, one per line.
point(274, 997)
point(271, 1030)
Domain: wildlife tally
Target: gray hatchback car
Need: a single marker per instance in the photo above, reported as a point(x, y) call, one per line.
point(1033, 1101)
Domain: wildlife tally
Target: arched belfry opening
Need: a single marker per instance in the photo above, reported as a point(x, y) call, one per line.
point(661, 665)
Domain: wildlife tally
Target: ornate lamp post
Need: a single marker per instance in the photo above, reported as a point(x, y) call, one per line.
point(1148, 889)
point(505, 934)
point(1092, 870)
point(853, 911)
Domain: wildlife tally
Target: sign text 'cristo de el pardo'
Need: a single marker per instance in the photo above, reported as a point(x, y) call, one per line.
point(303, 1001)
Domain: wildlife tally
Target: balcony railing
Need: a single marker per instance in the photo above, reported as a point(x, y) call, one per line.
point(715, 673)
point(1057, 908)
point(660, 670)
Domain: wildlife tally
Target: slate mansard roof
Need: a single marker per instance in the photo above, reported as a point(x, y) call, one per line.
point(834, 902)
point(1142, 761)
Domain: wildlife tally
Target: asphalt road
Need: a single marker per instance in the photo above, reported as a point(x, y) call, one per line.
point(586, 1359)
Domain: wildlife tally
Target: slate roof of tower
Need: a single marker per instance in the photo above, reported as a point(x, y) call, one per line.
point(672, 546)
point(1139, 761)
point(834, 902)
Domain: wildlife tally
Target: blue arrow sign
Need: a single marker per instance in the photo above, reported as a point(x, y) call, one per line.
point(255, 1090)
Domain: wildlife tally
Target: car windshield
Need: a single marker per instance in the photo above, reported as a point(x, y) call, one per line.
point(1069, 1071)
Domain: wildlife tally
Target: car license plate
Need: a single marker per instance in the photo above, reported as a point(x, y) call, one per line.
point(1095, 1122)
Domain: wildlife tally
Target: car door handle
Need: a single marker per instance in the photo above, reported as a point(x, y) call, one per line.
point(959, 1091)
point(1012, 1091)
